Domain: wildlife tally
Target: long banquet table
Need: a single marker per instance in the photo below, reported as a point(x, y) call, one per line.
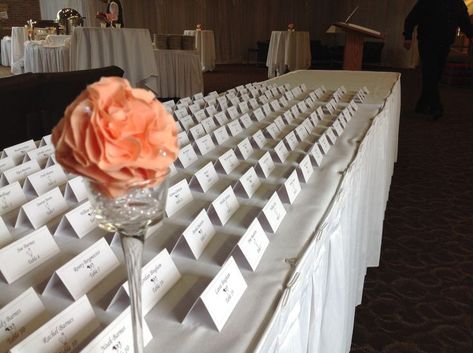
point(302, 295)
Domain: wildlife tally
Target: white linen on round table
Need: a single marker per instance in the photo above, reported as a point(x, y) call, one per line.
point(41, 58)
point(129, 48)
point(288, 49)
point(179, 73)
point(205, 45)
point(6, 50)
point(57, 40)
point(18, 39)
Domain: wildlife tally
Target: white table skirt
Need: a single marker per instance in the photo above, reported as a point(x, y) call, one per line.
point(39, 58)
point(129, 48)
point(18, 39)
point(331, 232)
point(6, 51)
point(179, 73)
point(288, 50)
point(205, 45)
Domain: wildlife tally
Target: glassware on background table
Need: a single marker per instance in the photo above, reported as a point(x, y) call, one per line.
point(130, 214)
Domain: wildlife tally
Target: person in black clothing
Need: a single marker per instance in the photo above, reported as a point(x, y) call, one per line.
point(114, 7)
point(437, 23)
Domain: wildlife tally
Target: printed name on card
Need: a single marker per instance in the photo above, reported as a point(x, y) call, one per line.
point(266, 109)
point(221, 118)
point(197, 131)
point(11, 197)
point(259, 139)
point(253, 103)
point(233, 113)
point(27, 253)
point(117, 337)
point(42, 209)
point(316, 154)
point(228, 161)
point(244, 107)
point(82, 273)
point(158, 276)
point(225, 205)
point(338, 128)
point(301, 132)
point(279, 123)
point(221, 135)
point(292, 186)
point(281, 151)
point(288, 116)
point(198, 234)
point(258, 114)
point(275, 105)
point(331, 135)
point(187, 156)
point(20, 317)
point(283, 101)
point(266, 164)
point(273, 130)
point(205, 144)
point(251, 245)
point(183, 139)
point(45, 180)
point(249, 182)
point(76, 190)
point(211, 110)
point(221, 296)
point(295, 110)
point(200, 115)
point(65, 332)
point(289, 95)
point(41, 154)
point(7, 163)
point(245, 149)
point(206, 177)
point(187, 122)
point(194, 108)
point(78, 222)
point(20, 172)
point(291, 140)
point(305, 169)
point(178, 196)
point(273, 213)
point(180, 113)
point(234, 127)
point(17, 151)
point(209, 124)
point(246, 120)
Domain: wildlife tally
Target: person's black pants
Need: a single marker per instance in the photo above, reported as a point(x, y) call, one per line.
point(433, 57)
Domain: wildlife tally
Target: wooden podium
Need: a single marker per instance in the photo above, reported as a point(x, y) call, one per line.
point(354, 37)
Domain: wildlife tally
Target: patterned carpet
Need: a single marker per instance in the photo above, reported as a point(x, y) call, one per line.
point(420, 299)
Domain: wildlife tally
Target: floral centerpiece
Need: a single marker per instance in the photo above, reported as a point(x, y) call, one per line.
point(106, 18)
point(199, 27)
point(291, 27)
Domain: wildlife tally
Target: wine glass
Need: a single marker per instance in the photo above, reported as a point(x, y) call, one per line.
point(137, 206)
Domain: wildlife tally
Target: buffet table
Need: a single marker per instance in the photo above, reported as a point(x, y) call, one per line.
point(205, 45)
point(288, 50)
point(179, 73)
point(129, 48)
point(40, 56)
point(6, 51)
point(320, 201)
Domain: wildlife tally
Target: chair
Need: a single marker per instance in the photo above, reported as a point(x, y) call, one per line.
point(32, 104)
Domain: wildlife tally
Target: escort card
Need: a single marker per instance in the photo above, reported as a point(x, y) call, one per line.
point(235, 101)
point(275, 105)
point(315, 118)
point(253, 103)
point(205, 144)
point(20, 317)
point(76, 190)
point(246, 120)
point(199, 233)
point(233, 113)
point(51, 160)
point(329, 108)
point(331, 135)
point(209, 124)
point(245, 96)
point(211, 110)
point(197, 131)
point(20, 172)
point(324, 144)
point(200, 115)
point(266, 109)
point(5, 236)
point(41, 154)
point(316, 154)
point(288, 116)
point(63, 333)
point(158, 276)
point(266, 164)
point(302, 107)
point(291, 140)
point(295, 110)
point(17, 151)
point(281, 151)
point(27, 253)
point(338, 128)
point(245, 149)
point(223, 103)
point(283, 101)
point(118, 336)
point(289, 95)
point(252, 245)
point(46, 140)
point(292, 186)
point(187, 122)
point(194, 108)
point(178, 196)
point(301, 132)
point(223, 293)
point(259, 139)
point(82, 273)
point(306, 169)
point(78, 222)
point(169, 105)
point(228, 161)
point(183, 139)
point(244, 108)
point(268, 94)
point(221, 135)
point(279, 123)
point(250, 182)
point(234, 127)
point(320, 113)
point(11, 197)
point(259, 115)
point(180, 113)
point(42, 209)
point(187, 156)
point(225, 205)
point(206, 177)
point(274, 212)
point(45, 180)
point(186, 101)
point(272, 130)
point(307, 123)
point(221, 118)
point(7, 163)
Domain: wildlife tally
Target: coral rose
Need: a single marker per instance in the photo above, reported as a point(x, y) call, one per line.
point(117, 136)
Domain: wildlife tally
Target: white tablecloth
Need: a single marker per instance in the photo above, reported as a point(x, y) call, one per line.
point(18, 39)
point(129, 48)
point(288, 50)
point(303, 294)
point(42, 58)
point(205, 44)
point(6, 51)
point(179, 73)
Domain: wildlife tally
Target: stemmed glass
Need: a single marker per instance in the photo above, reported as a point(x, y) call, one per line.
point(130, 214)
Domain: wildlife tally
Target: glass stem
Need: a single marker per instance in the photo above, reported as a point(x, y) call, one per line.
point(133, 251)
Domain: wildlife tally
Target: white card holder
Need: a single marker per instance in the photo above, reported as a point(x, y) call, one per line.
point(220, 297)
